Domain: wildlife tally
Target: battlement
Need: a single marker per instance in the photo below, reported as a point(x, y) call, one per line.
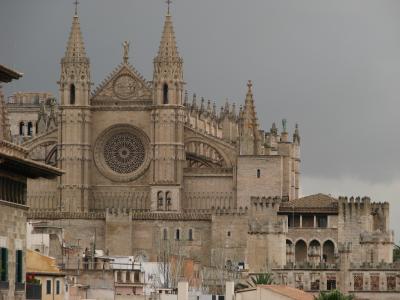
point(261, 203)
point(354, 206)
point(59, 215)
point(377, 237)
point(356, 200)
point(345, 247)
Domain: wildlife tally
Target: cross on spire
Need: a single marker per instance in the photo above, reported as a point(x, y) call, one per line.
point(168, 5)
point(76, 7)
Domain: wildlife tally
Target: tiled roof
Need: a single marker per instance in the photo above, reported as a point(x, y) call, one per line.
point(317, 202)
point(289, 292)
point(39, 263)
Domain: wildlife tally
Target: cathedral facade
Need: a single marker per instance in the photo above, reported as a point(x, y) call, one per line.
point(143, 163)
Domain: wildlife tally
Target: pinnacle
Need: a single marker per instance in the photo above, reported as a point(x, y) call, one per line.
point(75, 47)
point(168, 49)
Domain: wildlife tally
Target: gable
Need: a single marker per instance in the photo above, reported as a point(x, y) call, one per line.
point(124, 85)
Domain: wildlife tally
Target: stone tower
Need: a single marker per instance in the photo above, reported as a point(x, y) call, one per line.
point(74, 123)
point(168, 119)
point(5, 133)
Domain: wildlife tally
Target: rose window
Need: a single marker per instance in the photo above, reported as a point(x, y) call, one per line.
point(124, 153)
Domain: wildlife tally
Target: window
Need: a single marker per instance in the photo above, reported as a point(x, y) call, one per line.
point(190, 234)
point(4, 264)
point(58, 287)
point(258, 173)
point(160, 200)
point(165, 234)
point(165, 93)
point(21, 128)
point(30, 126)
point(322, 221)
point(72, 94)
point(168, 200)
point(18, 266)
point(177, 234)
point(136, 276)
point(228, 233)
point(48, 287)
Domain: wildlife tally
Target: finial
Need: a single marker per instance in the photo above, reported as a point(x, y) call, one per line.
point(168, 6)
point(249, 84)
point(76, 7)
point(125, 45)
point(185, 103)
point(284, 124)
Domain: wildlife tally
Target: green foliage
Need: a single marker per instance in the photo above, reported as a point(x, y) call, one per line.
point(254, 280)
point(396, 253)
point(260, 279)
point(334, 295)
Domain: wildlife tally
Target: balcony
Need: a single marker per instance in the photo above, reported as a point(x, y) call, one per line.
point(4, 285)
point(19, 286)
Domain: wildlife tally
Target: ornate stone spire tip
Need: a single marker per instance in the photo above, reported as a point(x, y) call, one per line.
point(76, 3)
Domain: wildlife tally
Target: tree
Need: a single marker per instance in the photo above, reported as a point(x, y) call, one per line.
point(334, 295)
point(170, 263)
point(256, 279)
point(396, 253)
point(259, 279)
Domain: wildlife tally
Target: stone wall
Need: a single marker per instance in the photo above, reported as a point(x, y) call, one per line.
point(269, 183)
point(13, 237)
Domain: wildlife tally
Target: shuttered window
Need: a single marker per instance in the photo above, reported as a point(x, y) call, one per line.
point(3, 264)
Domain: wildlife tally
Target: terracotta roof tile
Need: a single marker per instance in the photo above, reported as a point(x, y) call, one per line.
point(289, 292)
point(312, 202)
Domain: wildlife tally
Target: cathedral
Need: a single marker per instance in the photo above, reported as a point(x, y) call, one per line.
point(145, 162)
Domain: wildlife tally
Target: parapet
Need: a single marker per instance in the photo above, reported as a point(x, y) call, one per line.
point(354, 206)
point(261, 203)
point(345, 247)
point(377, 237)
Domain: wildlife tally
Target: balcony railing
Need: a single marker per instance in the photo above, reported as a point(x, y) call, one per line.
point(19, 286)
point(4, 285)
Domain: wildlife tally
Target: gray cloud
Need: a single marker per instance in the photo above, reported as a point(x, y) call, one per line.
point(332, 66)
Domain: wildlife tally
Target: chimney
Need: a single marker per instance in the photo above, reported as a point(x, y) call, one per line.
point(183, 293)
point(229, 290)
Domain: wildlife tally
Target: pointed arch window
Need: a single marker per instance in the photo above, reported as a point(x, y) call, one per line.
point(72, 94)
point(165, 93)
point(160, 200)
point(168, 200)
point(30, 128)
point(21, 128)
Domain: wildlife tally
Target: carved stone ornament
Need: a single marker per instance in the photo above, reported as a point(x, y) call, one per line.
point(121, 152)
point(125, 86)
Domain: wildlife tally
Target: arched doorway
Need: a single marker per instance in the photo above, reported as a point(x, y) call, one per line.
point(328, 252)
point(300, 251)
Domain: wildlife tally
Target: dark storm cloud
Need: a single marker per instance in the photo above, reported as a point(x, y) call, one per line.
point(333, 66)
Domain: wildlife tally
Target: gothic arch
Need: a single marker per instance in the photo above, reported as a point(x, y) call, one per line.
point(300, 251)
point(201, 154)
point(44, 150)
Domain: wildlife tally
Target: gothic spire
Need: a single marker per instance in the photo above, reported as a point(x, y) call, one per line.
point(168, 50)
point(75, 47)
point(249, 114)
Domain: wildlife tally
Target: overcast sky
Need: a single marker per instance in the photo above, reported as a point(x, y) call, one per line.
point(332, 66)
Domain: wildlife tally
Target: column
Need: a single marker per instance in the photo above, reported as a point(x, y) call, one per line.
point(315, 221)
point(301, 221)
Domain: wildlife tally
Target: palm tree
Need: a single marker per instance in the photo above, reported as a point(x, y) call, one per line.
point(254, 280)
point(334, 295)
point(258, 279)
